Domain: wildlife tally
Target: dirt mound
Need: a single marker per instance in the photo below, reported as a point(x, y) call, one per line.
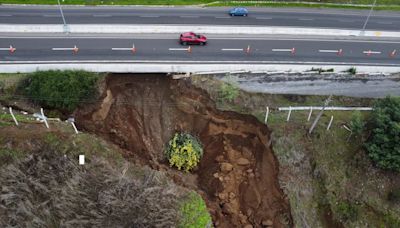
point(238, 172)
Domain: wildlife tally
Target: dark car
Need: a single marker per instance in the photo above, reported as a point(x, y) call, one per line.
point(192, 38)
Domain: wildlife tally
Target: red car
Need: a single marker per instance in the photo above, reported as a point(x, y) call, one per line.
point(192, 38)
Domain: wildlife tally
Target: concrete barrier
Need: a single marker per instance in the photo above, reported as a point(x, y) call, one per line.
point(235, 30)
point(184, 68)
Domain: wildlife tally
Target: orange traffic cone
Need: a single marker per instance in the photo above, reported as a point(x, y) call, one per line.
point(340, 52)
point(393, 53)
point(75, 50)
point(248, 49)
point(293, 51)
point(12, 49)
point(133, 48)
point(189, 49)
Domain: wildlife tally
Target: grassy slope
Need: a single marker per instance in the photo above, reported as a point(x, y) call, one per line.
point(325, 170)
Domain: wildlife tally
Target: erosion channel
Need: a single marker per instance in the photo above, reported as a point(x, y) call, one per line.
point(238, 174)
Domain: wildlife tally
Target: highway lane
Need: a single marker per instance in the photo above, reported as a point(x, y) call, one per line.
point(206, 16)
point(159, 49)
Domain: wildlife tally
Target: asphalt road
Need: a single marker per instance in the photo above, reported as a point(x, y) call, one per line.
point(219, 49)
point(326, 18)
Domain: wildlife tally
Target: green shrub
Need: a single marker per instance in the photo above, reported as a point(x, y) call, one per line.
point(383, 146)
point(394, 195)
point(184, 151)
point(194, 213)
point(346, 211)
point(228, 92)
point(352, 70)
point(62, 90)
point(356, 123)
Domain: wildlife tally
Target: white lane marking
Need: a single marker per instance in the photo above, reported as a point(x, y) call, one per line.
point(149, 16)
point(189, 16)
point(282, 50)
point(231, 49)
point(81, 159)
point(64, 49)
point(305, 19)
point(222, 17)
point(372, 52)
point(264, 18)
point(5, 15)
point(180, 61)
point(51, 15)
point(177, 49)
point(101, 15)
point(121, 49)
point(344, 20)
point(384, 23)
point(328, 51)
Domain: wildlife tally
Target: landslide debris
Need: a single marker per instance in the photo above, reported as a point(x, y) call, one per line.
point(238, 174)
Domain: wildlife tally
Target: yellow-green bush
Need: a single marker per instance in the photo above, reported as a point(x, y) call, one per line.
point(184, 151)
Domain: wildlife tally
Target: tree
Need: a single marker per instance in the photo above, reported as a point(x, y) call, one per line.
point(383, 147)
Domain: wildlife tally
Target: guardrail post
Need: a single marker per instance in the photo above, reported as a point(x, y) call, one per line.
point(44, 118)
point(330, 123)
point(309, 114)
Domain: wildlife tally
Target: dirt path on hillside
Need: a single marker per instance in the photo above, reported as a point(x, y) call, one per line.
point(238, 172)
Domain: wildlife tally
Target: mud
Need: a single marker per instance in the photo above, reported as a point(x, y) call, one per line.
point(238, 174)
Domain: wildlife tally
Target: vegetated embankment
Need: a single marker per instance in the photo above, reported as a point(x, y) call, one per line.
point(238, 174)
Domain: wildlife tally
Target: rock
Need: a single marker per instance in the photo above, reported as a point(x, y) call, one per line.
point(221, 178)
point(219, 158)
point(267, 223)
point(251, 175)
point(248, 226)
point(216, 175)
point(249, 170)
point(242, 161)
point(226, 167)
point(231, 195)
point(222, 196)
point(227, 208)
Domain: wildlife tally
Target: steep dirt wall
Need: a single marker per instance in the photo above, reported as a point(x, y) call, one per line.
point(238, 172)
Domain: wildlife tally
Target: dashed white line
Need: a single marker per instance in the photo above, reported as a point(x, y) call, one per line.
point(121, 49)
point(282, 50)
point(5, 15)
point(231, 49)
point(189, 16)
point(344, 20)
point(101, 15)
point(177, 49)
point(149, 16)
point(51, 15)
point(305, 19)
point(264, 18)
point(328, 51)
point(372, 52)
point(384, 23)
point(222, 17)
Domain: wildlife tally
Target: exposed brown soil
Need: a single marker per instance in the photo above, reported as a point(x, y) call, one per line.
point(238, 174)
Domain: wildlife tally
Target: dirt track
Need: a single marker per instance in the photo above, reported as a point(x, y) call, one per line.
point(238, 172)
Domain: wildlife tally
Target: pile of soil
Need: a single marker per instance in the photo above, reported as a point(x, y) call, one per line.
point(238, 174)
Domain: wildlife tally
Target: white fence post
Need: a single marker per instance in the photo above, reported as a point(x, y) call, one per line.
point(73, 125)
point(330, 123)
point(12, 114)
point(290, 112)
point(44, 118)
point(309, 115)
point(266, 115)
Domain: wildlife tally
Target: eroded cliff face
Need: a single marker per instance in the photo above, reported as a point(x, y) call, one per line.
point(238, 174)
